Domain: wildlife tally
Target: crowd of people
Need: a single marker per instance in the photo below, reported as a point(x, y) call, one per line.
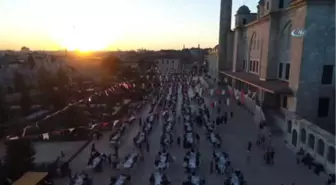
point(173, 106)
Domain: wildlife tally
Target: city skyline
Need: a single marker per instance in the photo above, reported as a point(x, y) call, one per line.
point(110, 25)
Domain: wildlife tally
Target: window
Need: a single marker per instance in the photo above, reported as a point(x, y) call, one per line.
point(280, 70)
point(287, 71)
point(281, 3)
point(254, 42)
point(244, 64)
point(320, 147)
point(253, 65)
point(323, 107)
point(327, 74)
point(303, 136)
point(331, 155)
point(311, 141)
point(244, 21)
point(289, 126)
point(167, 61)
point(172, 61)
point(284, 102)
point(267, 5)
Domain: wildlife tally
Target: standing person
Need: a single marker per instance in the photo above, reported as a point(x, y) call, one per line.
point(218, 120)
point(109, 159)
point(178, 141)
point(272, 152)
point(269, 144)
point(197, 138)
point(225, 117)
point(93, 147)
point(211, 166)
point(147, 146)
point(62, 154)
point(249, 148)
point(116, 151)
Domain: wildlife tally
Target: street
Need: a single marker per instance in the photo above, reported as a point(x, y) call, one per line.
point(234, 136)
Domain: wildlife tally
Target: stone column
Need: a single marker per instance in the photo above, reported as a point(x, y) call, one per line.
point(224, 30)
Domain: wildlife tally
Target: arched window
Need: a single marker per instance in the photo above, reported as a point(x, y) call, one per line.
point(303, 135)
point(253, 41)
point(311, 141)
point(285, 42)
point(320, 147)
point(331, 155)
point(289, 36)
point(289, 126)
point(294, 138)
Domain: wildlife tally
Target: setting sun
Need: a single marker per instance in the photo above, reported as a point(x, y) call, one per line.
point(85, 38)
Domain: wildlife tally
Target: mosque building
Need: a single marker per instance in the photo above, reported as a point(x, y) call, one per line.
point(283, 58)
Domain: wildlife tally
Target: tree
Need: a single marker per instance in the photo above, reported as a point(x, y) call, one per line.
point(54, 89)
point(73, 117)
point(19, 158)
point(62, 78)
point(25, 99)
point(3, 108)
point(111, 64)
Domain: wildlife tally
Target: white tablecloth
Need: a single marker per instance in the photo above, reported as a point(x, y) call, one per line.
point(129, 162)
point(120, 181)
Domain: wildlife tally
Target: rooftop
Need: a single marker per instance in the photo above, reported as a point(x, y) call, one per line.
point(272, 86)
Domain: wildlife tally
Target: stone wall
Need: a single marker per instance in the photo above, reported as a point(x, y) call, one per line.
point(318, 49)
point(320, 144)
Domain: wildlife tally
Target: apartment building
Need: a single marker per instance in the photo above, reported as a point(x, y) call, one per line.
point(168, 64)
point(212, 59)
point(291, 76)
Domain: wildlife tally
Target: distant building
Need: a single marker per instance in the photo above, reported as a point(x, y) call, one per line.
point(29, 65)
point(168, 64)
point(212, 60)
point(25, 49)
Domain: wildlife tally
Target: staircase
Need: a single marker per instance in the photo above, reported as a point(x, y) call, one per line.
point(270, 121)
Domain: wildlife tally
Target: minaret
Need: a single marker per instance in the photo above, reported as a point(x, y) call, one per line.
point(224, 30)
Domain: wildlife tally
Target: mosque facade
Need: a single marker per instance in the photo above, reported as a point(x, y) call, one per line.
point(283, 58)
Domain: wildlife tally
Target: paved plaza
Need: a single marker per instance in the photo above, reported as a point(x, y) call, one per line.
point(235, 136)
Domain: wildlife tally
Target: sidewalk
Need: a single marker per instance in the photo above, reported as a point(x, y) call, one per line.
point(235, 136)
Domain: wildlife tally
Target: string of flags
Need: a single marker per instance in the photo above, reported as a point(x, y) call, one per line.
point(45, 136)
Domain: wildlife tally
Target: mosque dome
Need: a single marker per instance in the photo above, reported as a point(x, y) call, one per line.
point(243, 10)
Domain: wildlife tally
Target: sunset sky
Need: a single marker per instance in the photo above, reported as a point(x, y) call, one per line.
point(110, 24)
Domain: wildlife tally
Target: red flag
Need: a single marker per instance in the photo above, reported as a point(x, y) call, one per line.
point(105, 124)
point(218, 91)
point(242, 97)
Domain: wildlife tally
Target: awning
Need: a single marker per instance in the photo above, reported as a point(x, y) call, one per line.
point(31, 178)
point(131, 118)
point(115, 123)
point(271, 86)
